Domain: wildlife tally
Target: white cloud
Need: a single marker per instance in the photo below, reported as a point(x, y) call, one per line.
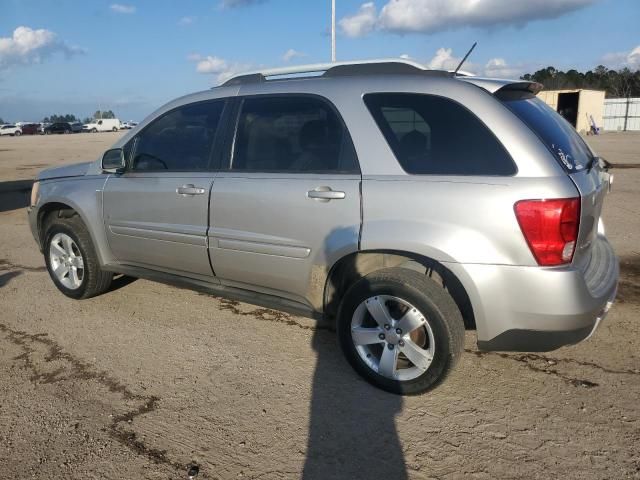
point(186, 21)
point(498, 67)
point(629, 59)
point(219, 67)
point(28, 46)
point(211, 64)
point(429, 16)
point(291, 54)
point(120, 8)
point(443, 60)
point(360, 23)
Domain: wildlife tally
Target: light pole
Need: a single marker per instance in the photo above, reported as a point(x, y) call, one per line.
point(333, 30)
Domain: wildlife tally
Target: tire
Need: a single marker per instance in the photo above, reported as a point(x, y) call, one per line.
point(18, 133)
point(94, 130)
point(94, 281)
point(114, 129)
point(415, 298)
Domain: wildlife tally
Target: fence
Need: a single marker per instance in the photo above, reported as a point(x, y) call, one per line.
point(622, 114)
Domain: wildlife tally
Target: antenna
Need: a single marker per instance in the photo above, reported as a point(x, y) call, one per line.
point(465, 58)
point(333, 30)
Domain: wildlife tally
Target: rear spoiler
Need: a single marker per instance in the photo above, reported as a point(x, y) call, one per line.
point(495, 85)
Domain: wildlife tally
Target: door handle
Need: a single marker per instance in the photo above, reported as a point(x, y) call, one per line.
point(325, 194)
point(189, 189)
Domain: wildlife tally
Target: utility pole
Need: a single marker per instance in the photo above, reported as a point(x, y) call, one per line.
point(333, 30)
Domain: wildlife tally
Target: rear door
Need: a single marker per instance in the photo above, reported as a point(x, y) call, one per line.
point(290, 201)
point(575, 157)
point(156, 213)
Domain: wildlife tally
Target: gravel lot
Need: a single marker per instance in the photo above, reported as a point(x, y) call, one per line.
point(148, 379)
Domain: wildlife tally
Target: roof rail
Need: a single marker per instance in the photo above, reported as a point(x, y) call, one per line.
point(360, 67)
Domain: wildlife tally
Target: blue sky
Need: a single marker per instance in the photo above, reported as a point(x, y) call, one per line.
point(72, 56)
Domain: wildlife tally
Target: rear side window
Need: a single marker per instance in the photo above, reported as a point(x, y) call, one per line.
point(558, 135)
point(179, 140)
point(432, 135)
point(295, 134)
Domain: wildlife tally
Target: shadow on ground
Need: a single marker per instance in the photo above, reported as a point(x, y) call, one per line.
point(14, 194)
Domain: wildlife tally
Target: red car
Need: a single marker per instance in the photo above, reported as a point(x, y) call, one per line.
point(30, 129)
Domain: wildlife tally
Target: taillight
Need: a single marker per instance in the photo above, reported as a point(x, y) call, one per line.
point(550, 228)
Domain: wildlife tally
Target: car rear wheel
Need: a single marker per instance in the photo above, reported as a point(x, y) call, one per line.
point(71, 259)
point(114, 129)
point(18, 133)
point(400, 330)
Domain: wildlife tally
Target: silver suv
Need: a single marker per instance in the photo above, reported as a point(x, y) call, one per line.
point(405, 203)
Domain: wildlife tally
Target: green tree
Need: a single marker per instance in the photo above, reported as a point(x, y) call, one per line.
point(104, 114)
point(616, 83)
point(1, 121)
point(60, 118)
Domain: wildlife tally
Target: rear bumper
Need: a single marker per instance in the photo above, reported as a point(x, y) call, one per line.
point(539, 309)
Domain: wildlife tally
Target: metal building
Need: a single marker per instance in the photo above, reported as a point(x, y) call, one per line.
point(578, 106)
point(622, 114)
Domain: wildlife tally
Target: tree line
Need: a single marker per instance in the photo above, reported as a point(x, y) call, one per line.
point(621, 83)
point(70, 118)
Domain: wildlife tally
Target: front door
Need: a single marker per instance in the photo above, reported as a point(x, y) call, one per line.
point(156, 213)
point(290, 204)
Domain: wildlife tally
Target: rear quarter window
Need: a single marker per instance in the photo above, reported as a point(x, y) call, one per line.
point(556, 133)
point(432, 135)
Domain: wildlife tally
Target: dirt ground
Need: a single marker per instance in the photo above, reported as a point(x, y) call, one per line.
point(148, 380)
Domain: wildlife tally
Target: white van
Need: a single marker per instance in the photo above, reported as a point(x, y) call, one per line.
point(102, 125)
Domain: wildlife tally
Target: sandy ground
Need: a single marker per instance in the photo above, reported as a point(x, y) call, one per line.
point(147, 379)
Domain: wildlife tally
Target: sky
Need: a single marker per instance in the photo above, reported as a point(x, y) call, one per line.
point(71, 56)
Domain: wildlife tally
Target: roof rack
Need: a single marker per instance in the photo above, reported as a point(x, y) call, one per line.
point(361, 67)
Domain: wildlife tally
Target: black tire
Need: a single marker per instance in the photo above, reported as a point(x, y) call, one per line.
point(94, 130)
point(431, 300)
point(95, 281)
point(18, 133)
point(114, 129)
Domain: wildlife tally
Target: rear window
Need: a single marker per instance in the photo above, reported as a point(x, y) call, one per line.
point(558, 135)
point(432, 135)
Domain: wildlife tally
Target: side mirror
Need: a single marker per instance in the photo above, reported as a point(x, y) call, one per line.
point(113, 161)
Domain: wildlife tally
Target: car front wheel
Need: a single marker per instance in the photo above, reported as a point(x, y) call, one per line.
point(400, 330)
point(71, 259)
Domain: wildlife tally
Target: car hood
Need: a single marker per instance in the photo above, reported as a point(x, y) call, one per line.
point(75, 170)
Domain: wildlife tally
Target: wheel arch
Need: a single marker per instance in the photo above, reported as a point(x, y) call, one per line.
point(66, 208)
point(351, 267)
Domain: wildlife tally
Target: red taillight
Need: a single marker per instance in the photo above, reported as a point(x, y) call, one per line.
point(550, 228)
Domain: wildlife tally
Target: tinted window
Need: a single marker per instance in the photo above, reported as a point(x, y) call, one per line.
point(435, 135)
point(559, 135)
point(292, 134)
point(179, 140)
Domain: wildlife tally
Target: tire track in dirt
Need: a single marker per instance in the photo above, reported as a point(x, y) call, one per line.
point(79, 370)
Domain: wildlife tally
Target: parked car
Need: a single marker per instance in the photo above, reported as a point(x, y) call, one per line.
point(76, 127)
point(10, 129)
point(102, 125)
point(128, 125)
point(30, 129)
point(402, 202)
point(58, 127)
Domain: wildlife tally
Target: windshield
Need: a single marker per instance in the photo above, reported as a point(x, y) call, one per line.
point(558, 135)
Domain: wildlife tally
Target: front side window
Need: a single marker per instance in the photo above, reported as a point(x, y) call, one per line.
point(180, 140)
point(291, 134)
point(432, 135)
